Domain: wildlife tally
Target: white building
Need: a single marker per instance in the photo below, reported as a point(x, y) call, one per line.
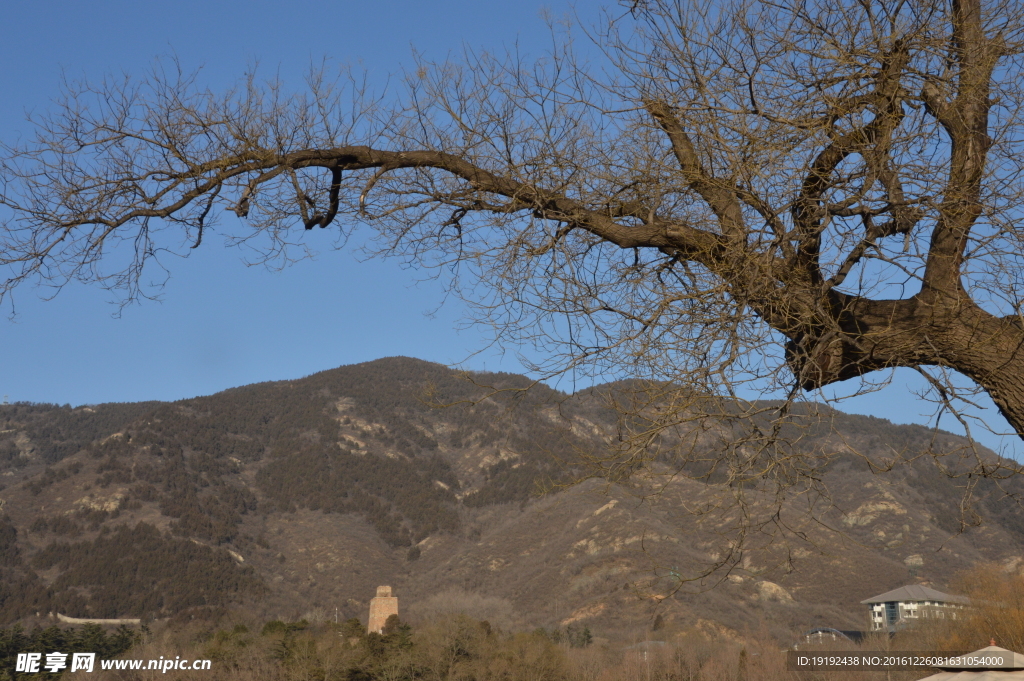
point(908, 604)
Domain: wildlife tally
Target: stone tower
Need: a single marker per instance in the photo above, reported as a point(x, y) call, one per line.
point(383, 606)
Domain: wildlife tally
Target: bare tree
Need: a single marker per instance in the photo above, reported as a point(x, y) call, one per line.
point(768, 195)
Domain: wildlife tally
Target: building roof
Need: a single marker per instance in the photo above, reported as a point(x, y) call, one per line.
point(1012, 668)
point(852, 636)
point(915, 592)
point(1011, 661)
point(984, 675)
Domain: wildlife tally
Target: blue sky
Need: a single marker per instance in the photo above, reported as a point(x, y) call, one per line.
point(219, 323)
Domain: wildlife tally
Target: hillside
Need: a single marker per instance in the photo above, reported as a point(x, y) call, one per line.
point(301, 496)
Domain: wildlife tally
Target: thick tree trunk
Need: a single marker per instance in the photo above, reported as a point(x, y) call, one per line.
point(871, 335)
point(990, 350)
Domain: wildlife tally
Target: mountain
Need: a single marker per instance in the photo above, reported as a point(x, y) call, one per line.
point(297, 498)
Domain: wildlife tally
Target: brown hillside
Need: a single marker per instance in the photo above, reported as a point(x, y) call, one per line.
point(300, 497)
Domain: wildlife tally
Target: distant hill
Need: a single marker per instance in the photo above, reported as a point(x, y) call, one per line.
point(302, 496)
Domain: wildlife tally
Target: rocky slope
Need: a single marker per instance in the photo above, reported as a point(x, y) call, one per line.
point(299, 497)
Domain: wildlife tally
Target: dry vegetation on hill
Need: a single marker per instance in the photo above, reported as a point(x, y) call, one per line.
point(295, 495)
point(446, 644)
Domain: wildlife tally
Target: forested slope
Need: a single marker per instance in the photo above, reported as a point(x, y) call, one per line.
point(286, 496)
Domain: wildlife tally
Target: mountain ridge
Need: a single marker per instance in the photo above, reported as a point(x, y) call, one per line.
point(308, 493)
